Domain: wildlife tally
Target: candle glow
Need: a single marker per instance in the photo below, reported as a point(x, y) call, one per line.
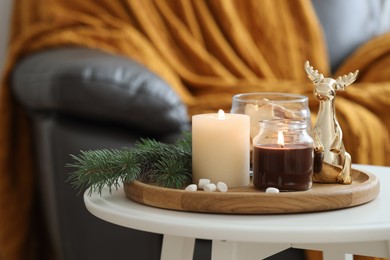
point(280, 139)
point(221, 115)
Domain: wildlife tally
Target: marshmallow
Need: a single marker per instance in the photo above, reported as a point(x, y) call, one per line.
point(272, 190)
point(210, 187)
point(191, 187)
point(203, 182)
point(222, 187)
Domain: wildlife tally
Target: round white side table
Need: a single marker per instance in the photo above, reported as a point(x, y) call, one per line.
point(362, 230)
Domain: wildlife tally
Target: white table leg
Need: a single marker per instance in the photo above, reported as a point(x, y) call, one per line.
point(177, 248)
point(228, 250)
point(224, 250)
point(333, 255)
point(348, 257)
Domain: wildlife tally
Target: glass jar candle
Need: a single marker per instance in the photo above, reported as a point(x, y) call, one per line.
point(283, 155)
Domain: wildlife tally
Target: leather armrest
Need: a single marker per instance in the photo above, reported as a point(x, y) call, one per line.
point(98, 85)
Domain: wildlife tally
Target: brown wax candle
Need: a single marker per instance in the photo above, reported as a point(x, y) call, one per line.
point(288, 167)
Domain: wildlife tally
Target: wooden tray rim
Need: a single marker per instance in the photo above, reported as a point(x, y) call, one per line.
point(345, 196)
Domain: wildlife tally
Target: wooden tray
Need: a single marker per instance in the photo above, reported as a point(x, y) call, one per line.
point(248, 200)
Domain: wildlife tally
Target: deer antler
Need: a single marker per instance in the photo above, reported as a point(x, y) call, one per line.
point(346, 80)
point(312, 74)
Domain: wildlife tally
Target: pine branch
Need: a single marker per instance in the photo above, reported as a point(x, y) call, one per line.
point(185, 144)
point(100, 168)
point(169, 174)
point(150, 161)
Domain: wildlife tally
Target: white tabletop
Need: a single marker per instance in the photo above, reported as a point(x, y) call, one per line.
point(368, 222)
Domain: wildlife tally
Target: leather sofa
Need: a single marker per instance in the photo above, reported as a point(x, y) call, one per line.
point(82, 99)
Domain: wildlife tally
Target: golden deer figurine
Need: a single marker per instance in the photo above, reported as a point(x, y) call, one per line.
point(329, 149)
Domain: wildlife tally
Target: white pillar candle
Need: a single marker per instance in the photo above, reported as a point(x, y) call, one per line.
point(220, 148)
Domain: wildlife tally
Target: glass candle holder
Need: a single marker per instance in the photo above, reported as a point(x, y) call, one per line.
point(283, 155)
point(271, 105)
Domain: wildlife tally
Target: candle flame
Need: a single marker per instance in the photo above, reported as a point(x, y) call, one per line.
point(280, 138)
point(221, 114)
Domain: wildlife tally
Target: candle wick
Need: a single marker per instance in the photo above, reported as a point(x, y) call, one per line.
point(281, 145)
